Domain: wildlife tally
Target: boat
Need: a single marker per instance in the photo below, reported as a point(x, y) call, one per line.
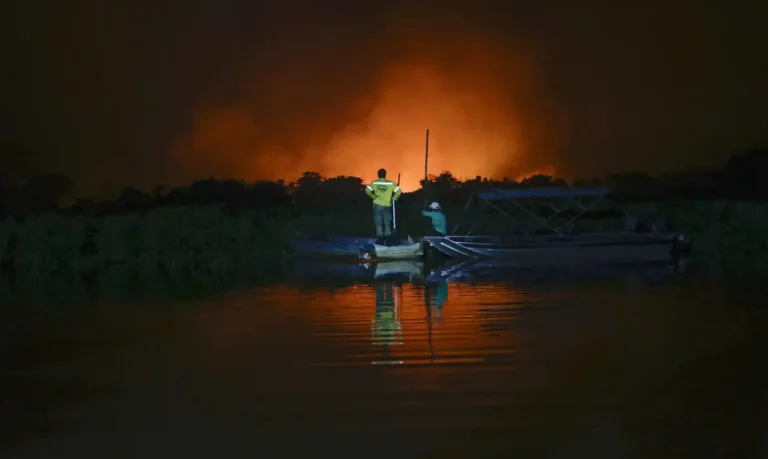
point(536, 239)
point(395, 252)
point(364, 249)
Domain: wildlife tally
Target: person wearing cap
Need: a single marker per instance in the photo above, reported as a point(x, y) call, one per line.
point(383, 192)
point(439, 223)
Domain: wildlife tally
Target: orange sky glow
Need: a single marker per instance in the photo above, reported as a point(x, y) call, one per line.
point(476, 127)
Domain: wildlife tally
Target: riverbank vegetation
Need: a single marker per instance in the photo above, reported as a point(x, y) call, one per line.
point(219, 224)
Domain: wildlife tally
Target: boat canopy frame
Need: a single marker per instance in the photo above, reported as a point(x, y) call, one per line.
point(547, 195)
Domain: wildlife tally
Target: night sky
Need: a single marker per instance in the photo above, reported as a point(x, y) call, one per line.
point(141, 93)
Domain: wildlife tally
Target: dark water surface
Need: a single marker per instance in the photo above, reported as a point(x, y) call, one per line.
point(635, 363)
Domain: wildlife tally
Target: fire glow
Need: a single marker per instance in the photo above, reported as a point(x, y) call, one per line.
point(474, 130)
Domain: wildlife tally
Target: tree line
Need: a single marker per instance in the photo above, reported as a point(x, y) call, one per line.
point(743, 178)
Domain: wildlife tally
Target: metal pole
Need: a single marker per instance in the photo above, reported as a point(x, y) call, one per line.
point(394, 214)
point(426, 175)
point(394, 217)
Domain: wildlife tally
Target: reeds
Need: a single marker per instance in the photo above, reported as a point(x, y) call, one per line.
point(190, 238)
point(720, 226)
point(171, 239)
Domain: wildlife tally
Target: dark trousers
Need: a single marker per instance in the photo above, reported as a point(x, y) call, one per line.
point(382, 217)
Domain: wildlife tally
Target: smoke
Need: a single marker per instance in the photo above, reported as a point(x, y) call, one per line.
point(264, 89)
point(337, 114)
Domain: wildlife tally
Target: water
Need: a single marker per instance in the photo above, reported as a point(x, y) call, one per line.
point(634, 363)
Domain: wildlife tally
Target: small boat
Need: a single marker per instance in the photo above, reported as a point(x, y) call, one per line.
point(395, 252)
point(544, 243)
point(595, 248)
point(364, 249)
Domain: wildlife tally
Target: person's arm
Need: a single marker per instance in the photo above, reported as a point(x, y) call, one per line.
point(369, 192)
point(396, 195)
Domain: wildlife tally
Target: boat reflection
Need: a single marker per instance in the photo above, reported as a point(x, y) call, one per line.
point(340, 273)
point(472, 271)
point(402, 269)
point(400, 303)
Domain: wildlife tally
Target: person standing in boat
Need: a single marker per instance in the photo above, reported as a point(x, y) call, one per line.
point(383, 192)
point(439, 222)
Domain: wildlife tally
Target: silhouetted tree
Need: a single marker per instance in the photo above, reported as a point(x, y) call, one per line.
point(742, 178)
point(213, 191)
point(687, 184)
point(158, 194)
point(582, 183)
point(745, 174)
point(84, 206)
point(310, 181)
point(132, 200)
point(632, 185)
point(45, 192)
point(539, 180)
point(269, 194)
point(347, 190)
point(308, 190)
point(446, 180)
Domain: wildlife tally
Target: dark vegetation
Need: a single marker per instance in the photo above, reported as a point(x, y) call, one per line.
point(215, 223)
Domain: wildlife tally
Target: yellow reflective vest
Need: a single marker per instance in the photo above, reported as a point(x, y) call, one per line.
point(383, 192)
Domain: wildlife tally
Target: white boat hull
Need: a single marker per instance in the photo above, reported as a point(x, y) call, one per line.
point(398, 252)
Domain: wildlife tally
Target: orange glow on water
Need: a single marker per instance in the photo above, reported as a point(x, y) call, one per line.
point(405, 332)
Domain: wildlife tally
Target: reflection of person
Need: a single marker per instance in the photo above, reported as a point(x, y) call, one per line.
point(439, 224)
point(434, 298)
point(383, 192)
point(386, 328)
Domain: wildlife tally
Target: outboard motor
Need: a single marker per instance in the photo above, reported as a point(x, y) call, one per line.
point(366, 256)
point(660, 225)
point(367, 266)
point(681, 248)
point(654, 225)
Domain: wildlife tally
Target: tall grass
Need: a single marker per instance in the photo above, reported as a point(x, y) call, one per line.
point(181, 238)
point(191, 238)
point(719, 226)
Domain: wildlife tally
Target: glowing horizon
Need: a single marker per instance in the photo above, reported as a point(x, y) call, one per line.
point(471, 108)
